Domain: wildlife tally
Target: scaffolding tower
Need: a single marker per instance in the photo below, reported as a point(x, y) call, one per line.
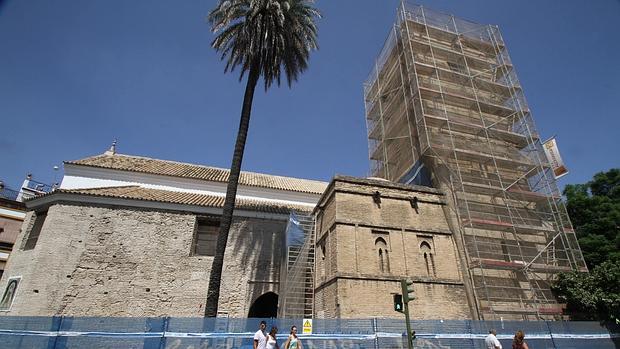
point(297, 282)
point(443, 103)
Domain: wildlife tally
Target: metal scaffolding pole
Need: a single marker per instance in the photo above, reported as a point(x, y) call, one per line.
point(464, 114)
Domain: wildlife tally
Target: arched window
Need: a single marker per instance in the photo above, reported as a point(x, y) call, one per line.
point(383, 257)
point(429, 260)
point(322, 263)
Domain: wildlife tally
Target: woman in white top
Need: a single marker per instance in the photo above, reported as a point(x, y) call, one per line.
point(272, 343)
point(293, 342)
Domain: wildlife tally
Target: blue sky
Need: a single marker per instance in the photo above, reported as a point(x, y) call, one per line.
point(74, 75)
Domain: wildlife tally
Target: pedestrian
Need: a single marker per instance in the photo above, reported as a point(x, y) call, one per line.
point(491, 341)
point(293, 342)
point(272, 343)
point(260, 337)
point(518, 342)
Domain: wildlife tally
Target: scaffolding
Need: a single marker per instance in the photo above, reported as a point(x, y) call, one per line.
point(444, 96)
point(296, 298)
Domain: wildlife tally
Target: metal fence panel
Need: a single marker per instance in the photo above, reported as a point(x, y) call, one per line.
point(177, 333)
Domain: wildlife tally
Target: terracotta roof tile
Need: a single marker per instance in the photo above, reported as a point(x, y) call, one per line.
point(135, 192)
point(185, 170)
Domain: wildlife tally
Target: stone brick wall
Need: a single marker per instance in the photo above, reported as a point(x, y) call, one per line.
point(357, 280)
point(365, 298)
point(252, 263)
point(122, 261)
point(357, 253)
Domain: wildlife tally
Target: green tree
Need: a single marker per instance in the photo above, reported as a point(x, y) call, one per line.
point(594, 295)
point(262, 38)
point(594, 209)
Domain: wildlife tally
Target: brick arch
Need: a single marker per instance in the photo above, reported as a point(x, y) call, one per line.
point(265, 306)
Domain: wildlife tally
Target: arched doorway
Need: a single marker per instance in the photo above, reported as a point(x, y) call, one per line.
point(265, 306)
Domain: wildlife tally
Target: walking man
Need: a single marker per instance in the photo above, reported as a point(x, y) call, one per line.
point(491, 341)
point(260, 337)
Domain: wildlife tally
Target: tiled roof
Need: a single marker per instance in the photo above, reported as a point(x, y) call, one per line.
point(135, 192)
point(185, 170)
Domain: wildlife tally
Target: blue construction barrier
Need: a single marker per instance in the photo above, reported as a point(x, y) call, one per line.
point(177, 333)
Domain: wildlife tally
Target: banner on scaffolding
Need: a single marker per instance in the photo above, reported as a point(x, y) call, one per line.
point(553, 155)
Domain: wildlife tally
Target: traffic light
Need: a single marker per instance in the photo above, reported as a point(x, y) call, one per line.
point(402, 302)
point(408, 292)
point(398, 303)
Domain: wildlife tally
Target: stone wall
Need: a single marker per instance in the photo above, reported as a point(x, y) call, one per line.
point(123, 261)
point(252, 263)
point(372, 241)
point(367, 297)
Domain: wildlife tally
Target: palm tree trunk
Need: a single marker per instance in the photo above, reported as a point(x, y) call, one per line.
point(215, 277)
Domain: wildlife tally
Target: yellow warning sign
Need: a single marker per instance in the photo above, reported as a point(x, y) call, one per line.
point(307, 326)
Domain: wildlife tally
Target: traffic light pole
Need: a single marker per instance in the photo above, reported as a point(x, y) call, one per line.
point(409, 339)
point(408, 295)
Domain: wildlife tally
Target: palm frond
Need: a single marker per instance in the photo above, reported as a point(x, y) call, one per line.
point(276, 35)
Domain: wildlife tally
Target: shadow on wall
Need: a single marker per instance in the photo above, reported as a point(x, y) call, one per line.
point(258, 252)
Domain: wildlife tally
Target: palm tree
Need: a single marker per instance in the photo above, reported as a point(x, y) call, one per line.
point(262, 37)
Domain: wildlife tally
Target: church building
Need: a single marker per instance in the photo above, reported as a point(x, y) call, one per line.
point(133, 236)
point(465, 203)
